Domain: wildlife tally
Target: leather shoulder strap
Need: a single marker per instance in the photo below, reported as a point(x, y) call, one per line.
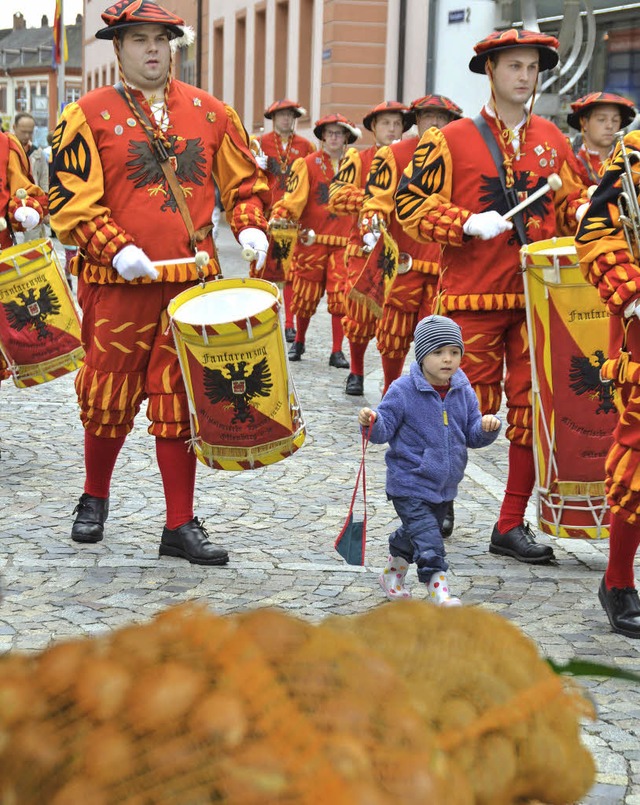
point(496, 154)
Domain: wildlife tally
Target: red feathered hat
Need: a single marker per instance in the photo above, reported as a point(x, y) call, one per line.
point(126, 13)
point(353, 132)
point(280, 106)
point(587, 102)
point(439, 103)
point(389, 106)
point(547, 47)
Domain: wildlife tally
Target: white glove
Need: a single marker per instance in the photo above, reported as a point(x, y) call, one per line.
point(215, 220)
point(370, 239)
point(132, 263)
point(28, 217)
point(581, 211)
point(255, 239)
point(262, 161)
point(486, 225)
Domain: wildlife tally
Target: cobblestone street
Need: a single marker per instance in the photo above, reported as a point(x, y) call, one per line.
point(279, 524)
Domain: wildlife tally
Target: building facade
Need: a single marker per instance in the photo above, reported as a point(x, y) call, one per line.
point(348, 55)
point(28, 79)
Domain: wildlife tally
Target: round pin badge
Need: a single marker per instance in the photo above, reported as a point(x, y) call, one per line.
point(131, 121)
point(118, 129)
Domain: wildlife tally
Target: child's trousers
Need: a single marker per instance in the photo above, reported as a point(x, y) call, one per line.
point(419, 538)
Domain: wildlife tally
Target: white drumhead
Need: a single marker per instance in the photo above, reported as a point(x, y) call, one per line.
point(225, 305)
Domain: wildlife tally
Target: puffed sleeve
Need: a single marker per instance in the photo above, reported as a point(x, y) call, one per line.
point(605, 257)
point(243, 186)
point(380, 187)
point(19, 178)
point(423, 200)
point(346, 191)
point(292, 204)
point(78, 214)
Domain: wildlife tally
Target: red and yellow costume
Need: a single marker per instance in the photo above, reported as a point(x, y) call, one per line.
point(590, 165)
point(109, 191)
point(453, 175)
point(411, 293)
point(281, 154)
point(319, 265)
point(346, 196)
point(609, 264)
point(15, 175)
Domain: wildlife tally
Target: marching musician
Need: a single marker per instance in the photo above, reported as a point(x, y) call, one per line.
point(318, 265)
point(387, 121)
point(17, 214)
point(598, 117)
point(133, 188)
point(455, 192)
point(609, 254)
point(277, 151)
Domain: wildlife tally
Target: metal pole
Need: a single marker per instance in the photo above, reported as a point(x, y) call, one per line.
point(61, 65)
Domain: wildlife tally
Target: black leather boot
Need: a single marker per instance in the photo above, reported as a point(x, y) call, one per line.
point(355, 385)
point(622, 606)
point(447, 524)
point(290, 334)
point(520, 543)
point(89, 523)
point(191, 542)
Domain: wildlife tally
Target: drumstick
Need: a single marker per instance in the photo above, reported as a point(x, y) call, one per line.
point(554, 182)
point(3, 224)
point(249, 254)
point(21, 194)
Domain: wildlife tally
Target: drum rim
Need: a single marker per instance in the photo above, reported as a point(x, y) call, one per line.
point(227, 283)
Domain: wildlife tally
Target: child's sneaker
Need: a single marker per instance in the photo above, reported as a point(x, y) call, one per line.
point(438, 589)
point(392, 578)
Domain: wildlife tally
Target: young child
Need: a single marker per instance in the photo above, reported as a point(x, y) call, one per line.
point(429, 418)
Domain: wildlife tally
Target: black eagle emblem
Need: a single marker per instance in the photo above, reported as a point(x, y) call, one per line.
point(427, 176)
point(386, 262)
point(293, 180)
point(584, 377)
point(32, 312)
point(238, 386)
point(187, 159)
point(281, 249)
point(492, 197)
point(322, 194)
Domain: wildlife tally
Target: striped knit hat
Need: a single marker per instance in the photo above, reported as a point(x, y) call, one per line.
point(435, 332)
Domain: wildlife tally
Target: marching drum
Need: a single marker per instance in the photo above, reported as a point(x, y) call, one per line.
point(39, 320)
point(574, 413)
point(243, 407)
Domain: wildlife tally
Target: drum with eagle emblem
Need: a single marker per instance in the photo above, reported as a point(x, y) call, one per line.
point(244, 409)
point(574, 410)
point(39, 320)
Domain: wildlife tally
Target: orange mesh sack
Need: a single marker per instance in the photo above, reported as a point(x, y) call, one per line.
point(508, 723)
point(193, 708)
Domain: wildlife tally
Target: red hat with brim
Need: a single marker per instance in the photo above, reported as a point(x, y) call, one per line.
point(353, 132)
point(547, 47)
point(389, 106)
point(438, 103)
point(128, 13)
point(587, 102)
point(282, 106)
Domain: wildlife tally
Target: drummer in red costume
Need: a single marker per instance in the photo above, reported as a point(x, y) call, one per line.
point(17, 214)
point(111, 197)
point(412, 291)
point(387, 121)
point(598, 117)
point(452, 194)
point(318, 265)
point(610, 260)
point(278, 150)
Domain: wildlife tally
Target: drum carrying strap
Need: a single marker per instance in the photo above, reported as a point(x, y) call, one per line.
point(509, 192)
point(162, 156)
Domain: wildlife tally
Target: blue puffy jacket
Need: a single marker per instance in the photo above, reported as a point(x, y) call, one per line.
point(428, 436)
